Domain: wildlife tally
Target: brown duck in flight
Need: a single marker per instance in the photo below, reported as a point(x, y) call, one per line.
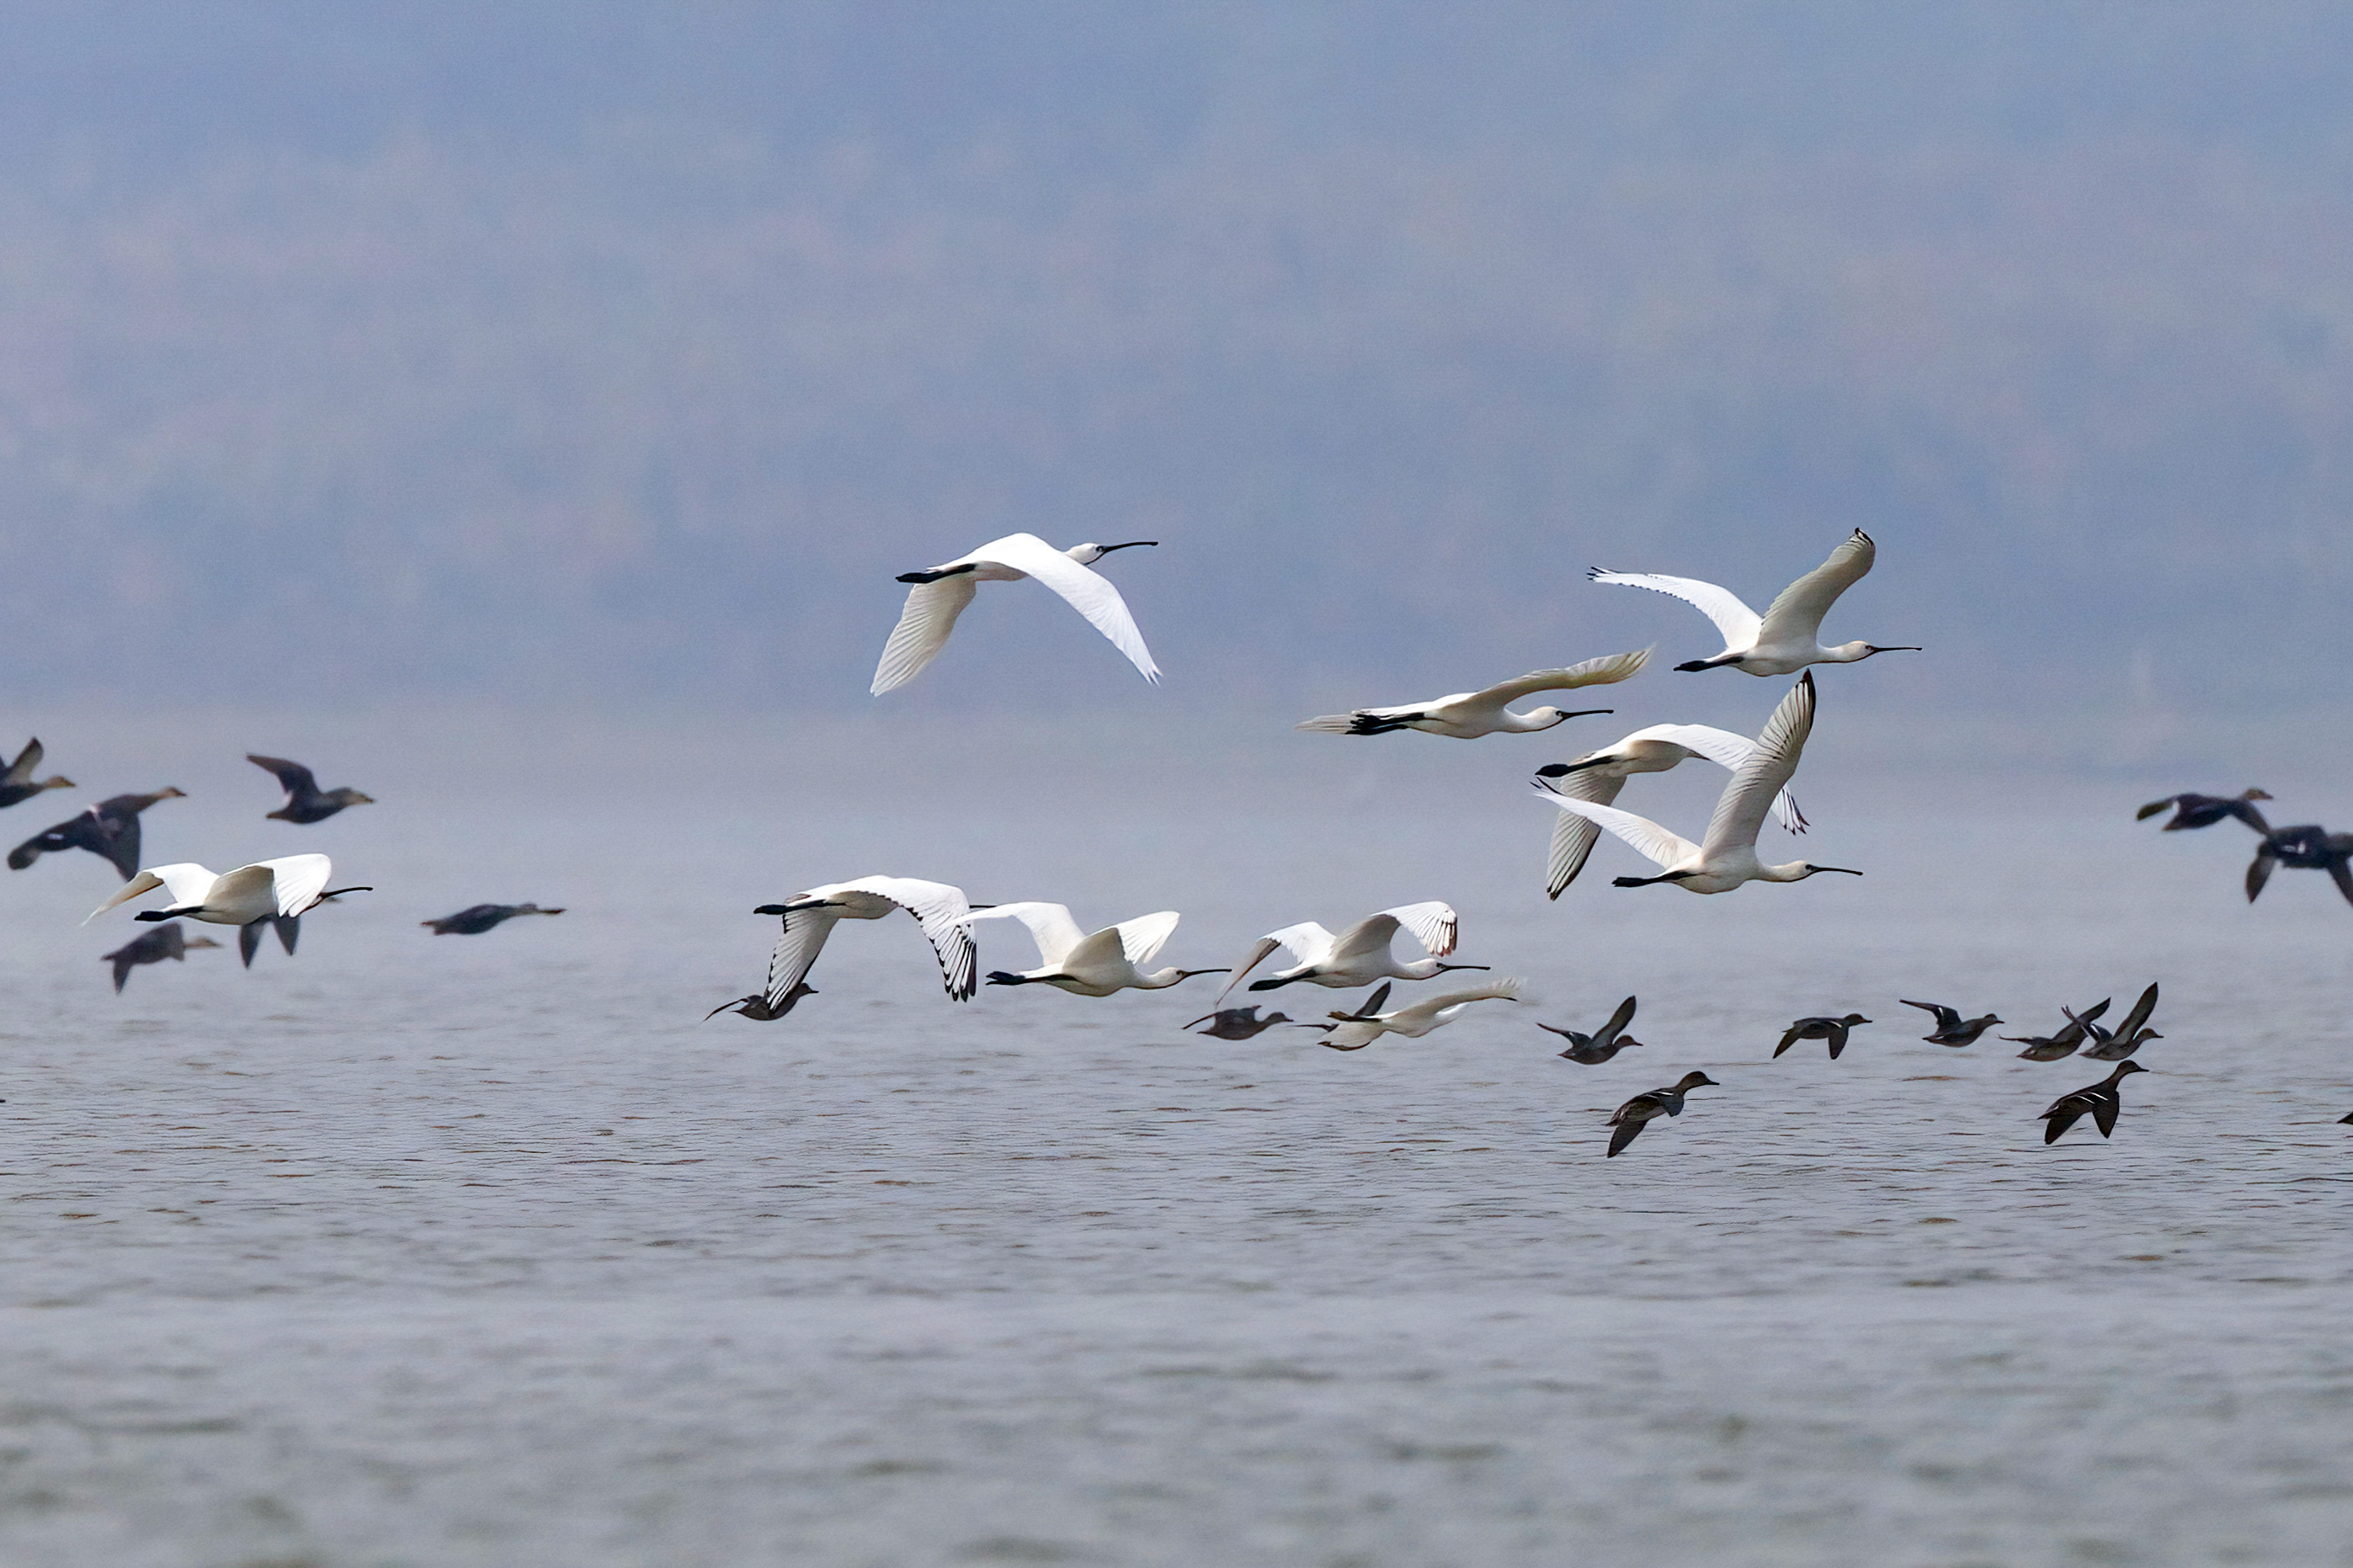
point(305, 800)
point(18, 783)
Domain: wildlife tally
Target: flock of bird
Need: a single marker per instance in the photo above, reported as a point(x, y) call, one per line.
point(1785, 640)
point(260, 899)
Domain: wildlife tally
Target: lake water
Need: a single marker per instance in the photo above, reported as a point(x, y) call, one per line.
point(419, 1250)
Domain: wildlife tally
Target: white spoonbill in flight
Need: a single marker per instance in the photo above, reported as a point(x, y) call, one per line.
point(1360, 954)
point(1785, 639)
point(1090, 964)
point(810, 916)
point(940, 594)
point(1728, 857)
point(1597, 777)
point(1467, 715)
point(276, 892)
point(1355, 1031)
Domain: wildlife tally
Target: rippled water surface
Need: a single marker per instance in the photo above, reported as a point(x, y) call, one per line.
point(417, 1250)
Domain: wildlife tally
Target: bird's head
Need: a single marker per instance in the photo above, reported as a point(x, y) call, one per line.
point(359, 799)
point(57, 781)
point(168, 793)
point(1851, 1019)
point(2255, 795)
point(2126, 1066)
point(1551, 716)
point(1087, 555)
point(1696, 1080)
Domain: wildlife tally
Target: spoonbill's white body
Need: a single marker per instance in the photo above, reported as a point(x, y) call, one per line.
point(1786, 636)
point(1597, 777)
point(1728, 857)
point(1360, 954)
point(276, 892)
point(1090, 964)
point(809, 918)
point(940, 594)
point(1355, 1031)
point(1467, 715)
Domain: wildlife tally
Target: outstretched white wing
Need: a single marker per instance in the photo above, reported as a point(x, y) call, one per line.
point(1797, 614)
point(1143, 938)
point(1740, 809)
point(939, 908)
point(296, 880)
point(1602, 671)
point(1574, 837)
point(797, 945)
point(1424, 1013)
point(1725, 750)
point(1668, 849)
point(923, 630)
point(1306, 941)
point(1736, 621)
point(187, 882)
point(1433, 922)
point(1050, 927)
point(1090, 593)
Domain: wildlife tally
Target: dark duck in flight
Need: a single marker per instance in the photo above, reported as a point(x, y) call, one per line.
point(1952, 1029)
point(1834, 1030)
point(1629, 1119)
point(18, 783)
point(2050, 1047)
point(2115, 1045)
point(2099, 1102)
point(2206, 810)
point(153, 946)
point(1595, 1049)
point(755, 1007)
point(305, 800)
point(476, 918)
point(2310, 848)
point(1237, 1023)
point(109, 830)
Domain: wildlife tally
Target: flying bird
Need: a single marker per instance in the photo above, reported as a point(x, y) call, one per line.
point(1360, 954)
point(2309, 848)
point(940, 594)
point(810, 916)
point(2050, 1047)
point(154, 946)
point(268, 892)
point(1355, 1031)
point(1090, 964)
point(755, 1007)
point(2206, 810)
point(2100, 1101)
point(1952, 1029)
point(2115, 1045)
point(1728, 858)
point(1629, 1119)
point(1597, 777)
point(476, 918)
point(1603, 1043)
point(17, 784)
point(305, 800)
point(1834, 1030)
point(1784, 641)
point(1467, 715)
point(1237, 1023)
point(109, 830)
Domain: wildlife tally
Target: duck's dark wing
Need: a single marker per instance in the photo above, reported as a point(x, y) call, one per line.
point(1624, 1133)
point(47, 841)
point(1946, 1018)
point(2063, 1114)
point(2153, 808)
point(2139, 1015)
point(1790, 1039)
point(1570, 1035)
point(2244, 810)
point(2258, 869)
point(298, 780)
point(1618, 1022)
point(20, 771)
point(112, 837)
point(2342, 876)
point(2105, 1108)
point(1838, 1041)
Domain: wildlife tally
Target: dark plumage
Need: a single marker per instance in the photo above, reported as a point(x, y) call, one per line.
point(2099, 1102)
point(1952, 1029)
point(476, 918)
point(2206, 810)
point(2309, 848)
point(1603, 1043)
point(1639, 1112)
point(152, 946)
point(1834, 1030)
point(109, 830)
point(2115, 1045)
point(17, 783)
point(305, 800)
point(2050, 1047)
point(1237, 1023)
point(755, 1007)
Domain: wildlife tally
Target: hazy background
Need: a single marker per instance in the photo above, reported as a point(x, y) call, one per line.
point(581, 356)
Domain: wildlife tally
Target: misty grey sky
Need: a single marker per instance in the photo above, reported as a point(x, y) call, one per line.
point(578, 353)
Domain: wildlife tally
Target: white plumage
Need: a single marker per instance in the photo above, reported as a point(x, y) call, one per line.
point(940, 594)
point(1090, 964)
point(1597, 777)
point(1355, 1031)
point(280, 889)
point(1467, 715)
point(1786, 636)
point(1358, 955)
point(810, 916)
